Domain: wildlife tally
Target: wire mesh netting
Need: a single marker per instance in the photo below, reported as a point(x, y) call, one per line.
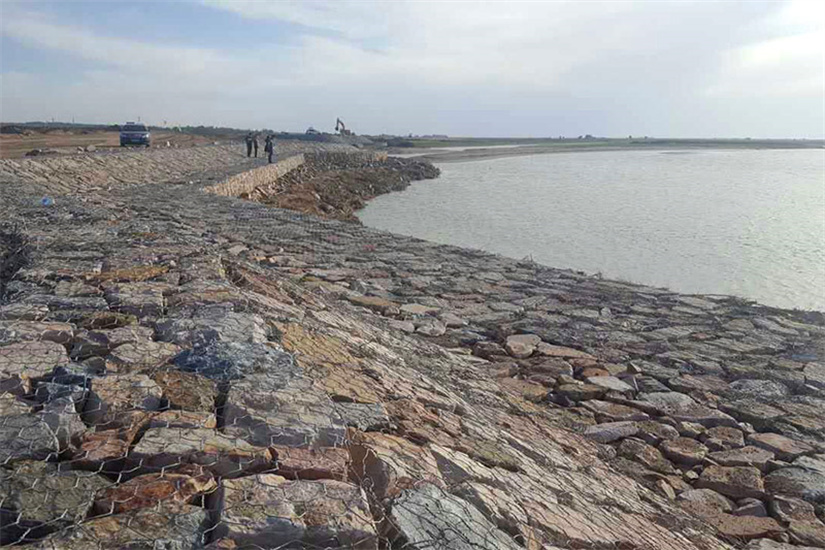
point(182, 370)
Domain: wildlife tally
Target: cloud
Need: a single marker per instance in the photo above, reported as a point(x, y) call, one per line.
point(515, 68)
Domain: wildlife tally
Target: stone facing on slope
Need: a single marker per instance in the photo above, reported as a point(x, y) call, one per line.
point(271, 374)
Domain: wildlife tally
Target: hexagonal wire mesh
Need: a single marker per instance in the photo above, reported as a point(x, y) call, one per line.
point(185, 370)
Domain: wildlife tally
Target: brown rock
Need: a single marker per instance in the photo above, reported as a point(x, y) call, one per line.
point(372, 302)
point(653, 433)
point(746, 527)
point(170, 525)
point(647, 456)
point(141, 356)
point(268, 511)
point(222, 455)
point(524, 389)
point(183, 419)
point(746, 456)
point(553, 367)
point(735, 482)
point(581, 392)
point(594, 371)
point(521, 345)
point(723, 438)
point(560, 351)
point(706, 498)
point(321, 463)
point(784, 448)
point(684, 450)
point(115, 397)
point(614, 412)
point(187, 391)
point(102, 450)
point(390, 463)
point(147, 491)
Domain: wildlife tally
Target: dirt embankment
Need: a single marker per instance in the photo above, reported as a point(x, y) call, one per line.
point(64, 142)
point(337, 185)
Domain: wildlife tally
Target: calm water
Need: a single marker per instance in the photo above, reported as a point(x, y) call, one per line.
point(749, 223)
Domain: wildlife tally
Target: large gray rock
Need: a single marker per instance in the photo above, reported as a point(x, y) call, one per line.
point(797, 482)
point(428, 517)
point(169, 526)
point(23, 361)
point(233, 360)
point(611, 431)
point(815, 375)
point(707, 498)
point(40, 497)
point(139, 299)
point(41, 435)
point(211, 324)
point(267, 511)
point(683, 408)
point(762, 390)
point(282, 408)
point(221, 454)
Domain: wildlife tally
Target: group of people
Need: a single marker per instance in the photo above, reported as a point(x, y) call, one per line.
point(252, 145)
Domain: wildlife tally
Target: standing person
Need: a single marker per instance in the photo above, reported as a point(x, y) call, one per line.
point(255, 144)
point(269, 148)
point(248, 140)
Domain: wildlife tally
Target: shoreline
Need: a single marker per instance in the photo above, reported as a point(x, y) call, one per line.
point(485, 153)
point(387, 371)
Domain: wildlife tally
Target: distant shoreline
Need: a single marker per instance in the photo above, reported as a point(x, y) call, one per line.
point(472, 153)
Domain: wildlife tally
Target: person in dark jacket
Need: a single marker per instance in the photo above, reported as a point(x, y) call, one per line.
point(248, 140)
point(255, 144)
point(269, 148)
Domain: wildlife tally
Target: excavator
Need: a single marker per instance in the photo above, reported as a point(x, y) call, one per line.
point(341, 129)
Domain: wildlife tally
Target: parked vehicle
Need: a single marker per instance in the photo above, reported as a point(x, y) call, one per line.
point(133, 133)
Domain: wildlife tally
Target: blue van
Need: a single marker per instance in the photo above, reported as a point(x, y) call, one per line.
point(134, 134)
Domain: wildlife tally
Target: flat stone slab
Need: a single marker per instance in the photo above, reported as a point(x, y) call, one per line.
point(282, 409)
point(611, 383)
point(21, 362)
point(213, 324)
point(611, 431)
point(746, 456)
point(550, 350)
point(430, 517)
point(221, 454)
point(268, 511)
point(784, 448)
point(223, 361)
point(170, 525)
point(115, 398)
point(735, 482)
point(797, 482)
point(684, 450)
point(43, 498)
point(38, 436)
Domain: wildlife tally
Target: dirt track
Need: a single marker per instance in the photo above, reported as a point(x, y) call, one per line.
point(17, 145)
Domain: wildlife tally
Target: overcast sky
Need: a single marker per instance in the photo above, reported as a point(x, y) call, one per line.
point(658, 68)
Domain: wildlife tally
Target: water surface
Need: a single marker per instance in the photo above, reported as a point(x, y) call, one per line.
point(744, 222)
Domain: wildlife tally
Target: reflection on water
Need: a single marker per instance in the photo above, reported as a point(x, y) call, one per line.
point(747, 222)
